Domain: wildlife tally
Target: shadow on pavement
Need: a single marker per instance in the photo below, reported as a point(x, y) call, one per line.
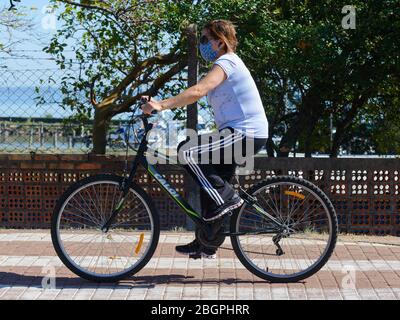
point(10, 279)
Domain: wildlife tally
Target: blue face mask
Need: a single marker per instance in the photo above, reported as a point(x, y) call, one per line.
point(207, 52)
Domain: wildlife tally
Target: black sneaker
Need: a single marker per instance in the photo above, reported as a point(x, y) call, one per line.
point(231, 204)
point(208, 253)
point(195, 251)
point(190, 248)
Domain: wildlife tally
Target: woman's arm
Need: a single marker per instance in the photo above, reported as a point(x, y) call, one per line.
point(212, 80)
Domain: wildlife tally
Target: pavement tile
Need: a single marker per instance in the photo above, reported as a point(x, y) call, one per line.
point(362, 270)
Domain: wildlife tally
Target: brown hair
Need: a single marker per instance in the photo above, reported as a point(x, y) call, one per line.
point(225, 31)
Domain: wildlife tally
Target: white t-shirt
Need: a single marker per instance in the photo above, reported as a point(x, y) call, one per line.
point(236, 101)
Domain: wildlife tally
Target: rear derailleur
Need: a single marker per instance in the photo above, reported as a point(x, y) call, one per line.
point(278, 237)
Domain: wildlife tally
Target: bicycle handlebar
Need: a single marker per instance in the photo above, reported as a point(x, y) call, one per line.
point(143, 101)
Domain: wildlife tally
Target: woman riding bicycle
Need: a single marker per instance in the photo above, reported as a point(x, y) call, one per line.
point(240, 118)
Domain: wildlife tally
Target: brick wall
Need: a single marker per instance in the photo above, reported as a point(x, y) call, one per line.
point(29, 187)
point(365, 192)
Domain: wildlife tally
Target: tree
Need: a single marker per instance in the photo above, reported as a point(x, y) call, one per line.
point(307, 66)
point(124, 49)
point(11, 21)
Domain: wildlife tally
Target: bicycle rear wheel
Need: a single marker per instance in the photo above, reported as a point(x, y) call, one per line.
point(77, 234)
point(310, 230)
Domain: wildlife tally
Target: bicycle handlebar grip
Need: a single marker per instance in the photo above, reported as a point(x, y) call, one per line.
point(144, 100)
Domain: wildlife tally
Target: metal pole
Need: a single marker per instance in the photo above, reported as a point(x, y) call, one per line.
point(6, 132)
point(331, 128)
point(30, 137)
point(55, 138)
point(41, 135)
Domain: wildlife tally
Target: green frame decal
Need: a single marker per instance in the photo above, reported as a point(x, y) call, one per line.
point(172, 191)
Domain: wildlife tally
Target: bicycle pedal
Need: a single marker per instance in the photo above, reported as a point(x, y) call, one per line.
point(195, 256)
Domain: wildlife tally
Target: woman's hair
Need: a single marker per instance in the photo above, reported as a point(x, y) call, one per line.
point(225, 31)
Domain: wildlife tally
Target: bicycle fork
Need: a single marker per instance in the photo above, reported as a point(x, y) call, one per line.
point(116, 210)
point(124, 187)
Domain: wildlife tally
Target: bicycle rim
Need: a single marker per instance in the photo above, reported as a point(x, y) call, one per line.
point(305, 251)
point(93, 252)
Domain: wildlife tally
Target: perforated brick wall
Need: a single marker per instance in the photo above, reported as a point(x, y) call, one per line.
point(29, 188)
point(364, 192)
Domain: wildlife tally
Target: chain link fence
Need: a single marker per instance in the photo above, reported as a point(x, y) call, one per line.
point(32, 119)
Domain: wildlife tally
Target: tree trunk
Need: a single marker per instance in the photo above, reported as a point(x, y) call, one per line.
point(270, 146)
point(100, 126)
point(345, 123)
point(310, 111)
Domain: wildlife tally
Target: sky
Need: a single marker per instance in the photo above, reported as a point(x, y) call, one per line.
point(31, 57)
point(29, 52)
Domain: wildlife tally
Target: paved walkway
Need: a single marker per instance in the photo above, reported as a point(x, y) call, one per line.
point(357, 270)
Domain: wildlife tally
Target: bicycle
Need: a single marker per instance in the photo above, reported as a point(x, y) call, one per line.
point(105, 227)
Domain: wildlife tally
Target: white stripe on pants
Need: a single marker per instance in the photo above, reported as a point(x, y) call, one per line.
point(188, 156)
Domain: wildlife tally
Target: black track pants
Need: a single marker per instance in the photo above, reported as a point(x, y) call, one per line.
point(212, 161)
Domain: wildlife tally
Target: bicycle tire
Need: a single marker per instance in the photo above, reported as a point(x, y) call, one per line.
point(284, 279)
point(56, 241)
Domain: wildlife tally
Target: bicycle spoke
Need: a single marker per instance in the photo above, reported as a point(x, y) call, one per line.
point(304, 214)
point(307, 231)
point(95, 206)
point(305, 202)
point(99, 202)
point(87, 246)
point(91, 217)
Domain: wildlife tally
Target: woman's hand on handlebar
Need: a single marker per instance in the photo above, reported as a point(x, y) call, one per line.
point(150, 105)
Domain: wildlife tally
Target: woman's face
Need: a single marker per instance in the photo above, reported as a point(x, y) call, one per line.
point(216, 44)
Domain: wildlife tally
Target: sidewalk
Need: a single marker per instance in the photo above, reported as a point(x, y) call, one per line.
point(25, 258)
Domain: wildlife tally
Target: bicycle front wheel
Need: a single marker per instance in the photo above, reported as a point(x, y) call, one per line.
point(298, 249)
point(88, 251)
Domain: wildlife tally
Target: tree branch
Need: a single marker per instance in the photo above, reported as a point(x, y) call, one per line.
point(133, 74)
point(152, 91)
point(88, 6)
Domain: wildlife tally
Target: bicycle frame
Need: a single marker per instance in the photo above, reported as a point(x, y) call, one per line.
point(140, 159)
